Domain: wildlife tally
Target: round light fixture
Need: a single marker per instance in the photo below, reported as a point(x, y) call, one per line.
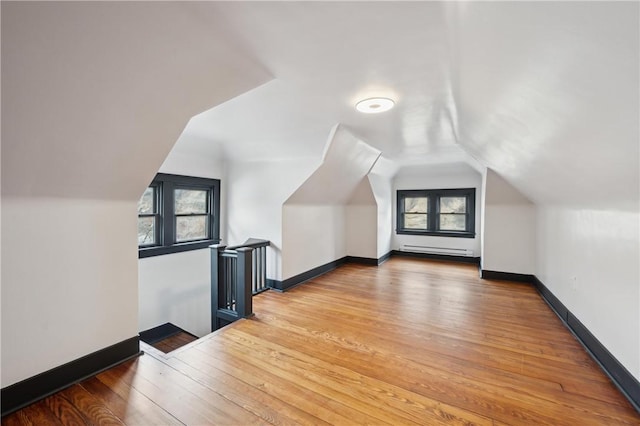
point(375, 105)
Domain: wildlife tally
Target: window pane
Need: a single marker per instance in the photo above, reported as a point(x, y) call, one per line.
point(190, 201)
point(147, 203)
point(189, 228)
point(146, 231)
point(453, 205)
point(416, 204)
point(415, 221)
point(453, 222)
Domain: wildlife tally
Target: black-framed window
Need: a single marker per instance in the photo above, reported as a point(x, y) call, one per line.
point(178, 213)
point(438, 212)
point(149, 217)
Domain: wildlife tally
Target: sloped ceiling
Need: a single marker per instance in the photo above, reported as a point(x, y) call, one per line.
point(345, 164)
point(547, 95)
point(325, 56)
point(544, 93)
point(95, 94)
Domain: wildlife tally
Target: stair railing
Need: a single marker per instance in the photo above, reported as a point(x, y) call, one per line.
point(259, 263)
point(237, 273)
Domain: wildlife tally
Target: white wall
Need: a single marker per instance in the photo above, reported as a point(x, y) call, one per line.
point(590, 260)
point(256, 208)
point(176, 287)
point(553, 108)
point(509, 228)
point(69, 288)
point(257, 192)
point(313, 236)
point(88, 114)
point(449, 176)
point(380, 179)
point(361, 222)
point(317, 216)
point(361, 230)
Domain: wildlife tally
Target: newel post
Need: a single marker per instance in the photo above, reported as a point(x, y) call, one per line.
point(244, 292)
point(216, 249)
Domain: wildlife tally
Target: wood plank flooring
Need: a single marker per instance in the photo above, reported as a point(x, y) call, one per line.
point(174, 342)
point(409, 342)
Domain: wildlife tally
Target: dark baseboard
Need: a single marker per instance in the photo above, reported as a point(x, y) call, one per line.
point(556, 305)
point(28, 391)
point(362, 260)
point(506, 276)
point(369, 260)
point(323, 269)
point(621, 377)
point(161, 332)
point(289, 283)
point(628, 384)
point(451, 258)
point(384, 258)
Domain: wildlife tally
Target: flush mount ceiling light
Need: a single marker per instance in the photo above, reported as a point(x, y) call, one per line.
point(375, 105)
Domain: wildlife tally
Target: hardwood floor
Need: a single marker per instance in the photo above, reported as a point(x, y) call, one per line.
point(174, 342)
point(409, 342)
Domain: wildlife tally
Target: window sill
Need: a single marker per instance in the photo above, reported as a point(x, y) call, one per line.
point(437, 233)
point(176, 248)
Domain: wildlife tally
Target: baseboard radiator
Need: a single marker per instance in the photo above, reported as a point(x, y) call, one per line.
point(437, 250)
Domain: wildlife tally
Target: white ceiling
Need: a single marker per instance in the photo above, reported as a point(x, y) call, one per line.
point(548, 95)
point(324, 58)
point(544, 93)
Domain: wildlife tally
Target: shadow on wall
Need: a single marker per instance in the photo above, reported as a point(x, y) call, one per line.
point(177, 304)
